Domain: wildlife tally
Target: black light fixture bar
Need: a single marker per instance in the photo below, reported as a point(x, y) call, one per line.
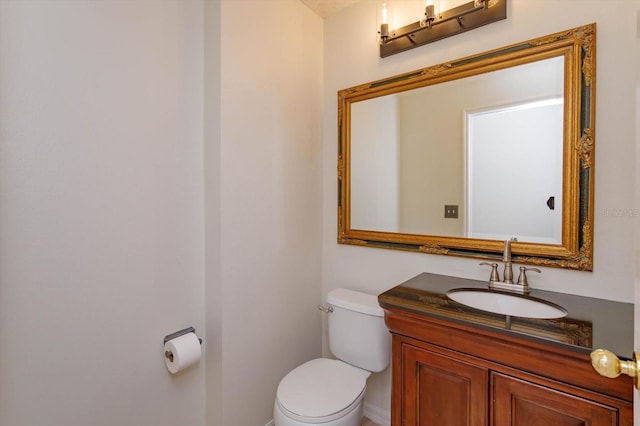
point(450, 22)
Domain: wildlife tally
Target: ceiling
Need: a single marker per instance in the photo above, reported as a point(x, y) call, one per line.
point(326, 8)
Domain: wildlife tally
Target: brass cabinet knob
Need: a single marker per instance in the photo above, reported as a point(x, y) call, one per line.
point(607, 364)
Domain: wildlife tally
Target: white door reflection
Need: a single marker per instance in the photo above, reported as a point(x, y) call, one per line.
point(515, 183)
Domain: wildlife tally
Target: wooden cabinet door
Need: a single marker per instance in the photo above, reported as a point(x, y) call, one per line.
point(516, 402)
point(439, 390)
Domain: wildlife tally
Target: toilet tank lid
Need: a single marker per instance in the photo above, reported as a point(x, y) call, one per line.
point(355, 301)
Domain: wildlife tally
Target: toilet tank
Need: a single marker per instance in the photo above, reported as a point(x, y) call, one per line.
point(357, 333)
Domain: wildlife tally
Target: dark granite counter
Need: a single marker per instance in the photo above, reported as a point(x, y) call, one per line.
point(590, 323)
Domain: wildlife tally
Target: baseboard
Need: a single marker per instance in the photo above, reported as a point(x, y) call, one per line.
point(377, 414)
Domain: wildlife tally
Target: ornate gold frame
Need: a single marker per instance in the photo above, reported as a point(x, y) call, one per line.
point(577, 45)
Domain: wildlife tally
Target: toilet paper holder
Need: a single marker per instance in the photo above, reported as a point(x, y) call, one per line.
point(169, 354)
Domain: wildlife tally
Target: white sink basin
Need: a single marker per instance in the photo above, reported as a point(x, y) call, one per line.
point(512, 304)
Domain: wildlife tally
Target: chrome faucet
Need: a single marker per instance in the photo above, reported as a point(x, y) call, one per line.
point(506, 258)
point(507, 279)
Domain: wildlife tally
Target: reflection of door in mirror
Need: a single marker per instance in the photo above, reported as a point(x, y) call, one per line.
point(408, 154)
point(510, 180)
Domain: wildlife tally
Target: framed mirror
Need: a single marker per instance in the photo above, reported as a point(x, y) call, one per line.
point(456, 158)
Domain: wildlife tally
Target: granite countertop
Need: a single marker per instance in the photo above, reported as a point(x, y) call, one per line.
point(590, 323)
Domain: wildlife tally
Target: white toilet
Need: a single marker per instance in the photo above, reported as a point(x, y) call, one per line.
point(330, 392)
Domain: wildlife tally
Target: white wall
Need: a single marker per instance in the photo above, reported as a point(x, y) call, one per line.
point(351, 58)
point(212, 208)
point(157, 163)
point(270, 201)
point(101, 224)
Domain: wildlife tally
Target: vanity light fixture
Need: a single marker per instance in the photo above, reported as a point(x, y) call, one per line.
point(437, 25)
point(384, 26)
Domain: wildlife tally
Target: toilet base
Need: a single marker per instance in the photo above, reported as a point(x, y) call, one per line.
point(352, 418)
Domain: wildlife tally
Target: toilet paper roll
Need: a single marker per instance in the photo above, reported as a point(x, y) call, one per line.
point(182, 352)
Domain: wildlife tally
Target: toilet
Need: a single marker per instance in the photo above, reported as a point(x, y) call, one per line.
point(330, 392)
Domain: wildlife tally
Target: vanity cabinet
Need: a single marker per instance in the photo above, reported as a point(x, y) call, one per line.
point(450, 373)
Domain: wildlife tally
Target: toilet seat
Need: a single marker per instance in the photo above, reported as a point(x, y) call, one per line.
point(321, 390)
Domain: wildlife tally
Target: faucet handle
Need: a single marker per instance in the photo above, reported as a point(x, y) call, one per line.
point(522, 278)
point(495, 277)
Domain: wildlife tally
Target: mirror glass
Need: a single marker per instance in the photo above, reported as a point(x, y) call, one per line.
point(407, 163)
point(457, 158)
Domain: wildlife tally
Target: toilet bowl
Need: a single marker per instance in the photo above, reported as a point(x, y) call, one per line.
point(321, 391)
point(330, 392)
